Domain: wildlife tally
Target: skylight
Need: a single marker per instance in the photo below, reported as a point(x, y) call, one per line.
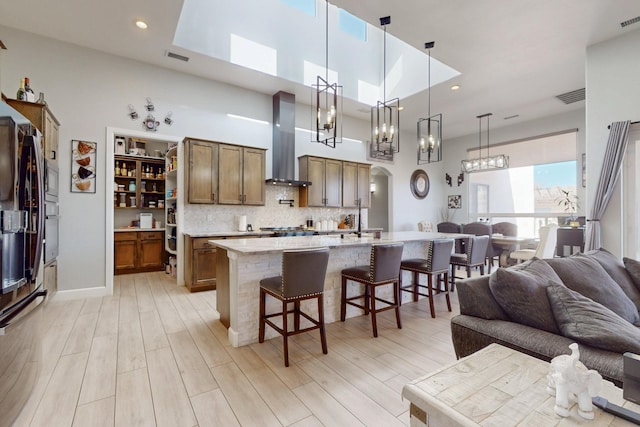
point(244, 33)
point(307, 6)
point(352, 25)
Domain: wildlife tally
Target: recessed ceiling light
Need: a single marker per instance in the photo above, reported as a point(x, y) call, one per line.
point(455, 87)
point(141, 24)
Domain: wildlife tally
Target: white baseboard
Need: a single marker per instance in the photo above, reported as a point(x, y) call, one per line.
point(72, 294)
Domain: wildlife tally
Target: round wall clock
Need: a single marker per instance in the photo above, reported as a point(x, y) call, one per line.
point(419, 184)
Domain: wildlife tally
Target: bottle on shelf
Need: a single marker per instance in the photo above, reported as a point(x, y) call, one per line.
point(123, 169)
point(22, 93)
point(31, 96)
point(116, 172)
point(147, 173)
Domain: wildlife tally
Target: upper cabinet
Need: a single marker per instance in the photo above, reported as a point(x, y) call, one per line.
point(44, 120)
point(202, 173)
point(355, 184)
point(326, 182)
point(225, 174)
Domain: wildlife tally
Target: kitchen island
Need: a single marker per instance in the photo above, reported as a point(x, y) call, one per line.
point(242, 263)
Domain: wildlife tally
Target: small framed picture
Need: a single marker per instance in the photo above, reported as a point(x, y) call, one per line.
point(455, 201)
point(83, 166)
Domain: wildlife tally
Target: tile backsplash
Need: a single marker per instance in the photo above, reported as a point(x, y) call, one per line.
point(202, 218)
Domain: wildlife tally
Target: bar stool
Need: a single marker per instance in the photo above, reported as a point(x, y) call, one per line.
point(383, 269)
point(303, 274)
point(476, 252)
point(436, 263)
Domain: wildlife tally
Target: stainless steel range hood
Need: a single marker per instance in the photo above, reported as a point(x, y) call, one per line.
point(284, 141)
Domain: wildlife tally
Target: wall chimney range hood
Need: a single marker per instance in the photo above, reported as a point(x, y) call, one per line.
point(284, 141)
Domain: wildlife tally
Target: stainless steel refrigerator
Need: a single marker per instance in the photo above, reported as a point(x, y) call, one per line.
point(21, 240)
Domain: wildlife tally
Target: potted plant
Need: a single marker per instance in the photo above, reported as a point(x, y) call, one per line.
point(569, 203)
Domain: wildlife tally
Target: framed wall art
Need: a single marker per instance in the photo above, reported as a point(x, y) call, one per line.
point(83, 166)
point(455, 202)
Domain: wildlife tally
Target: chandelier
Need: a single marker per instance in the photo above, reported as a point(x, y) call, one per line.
point(479, 164)
point(328, 117)
point(429, 129)
point(385, 116)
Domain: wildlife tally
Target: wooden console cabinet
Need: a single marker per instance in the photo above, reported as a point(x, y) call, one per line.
point(138, 251)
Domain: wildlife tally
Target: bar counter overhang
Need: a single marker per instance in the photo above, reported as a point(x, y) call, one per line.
point(242, 263)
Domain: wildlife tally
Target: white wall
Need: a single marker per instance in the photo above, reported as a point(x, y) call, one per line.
point(456, 149)
point(613, 94)
point(89, 91)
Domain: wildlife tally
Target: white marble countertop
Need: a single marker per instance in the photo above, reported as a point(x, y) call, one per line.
point(279, 244)
point(229, 233)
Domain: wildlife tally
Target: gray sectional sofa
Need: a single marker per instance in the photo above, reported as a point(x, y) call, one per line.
point(541, 306)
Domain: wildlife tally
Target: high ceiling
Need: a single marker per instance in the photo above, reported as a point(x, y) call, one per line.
point(514, 56)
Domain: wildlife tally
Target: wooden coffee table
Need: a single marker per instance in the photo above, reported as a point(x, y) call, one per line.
point(497, 386)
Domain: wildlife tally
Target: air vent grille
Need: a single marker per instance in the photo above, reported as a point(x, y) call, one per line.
point(630, 21)
point(177, 56)
point(573, 96)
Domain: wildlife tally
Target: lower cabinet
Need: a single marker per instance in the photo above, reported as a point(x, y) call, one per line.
point(138, 251)
point(200, 264)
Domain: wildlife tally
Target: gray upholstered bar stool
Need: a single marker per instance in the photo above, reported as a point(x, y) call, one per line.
point(303, 274)
point(474, 256)
point(383, 269)
point(436, 263)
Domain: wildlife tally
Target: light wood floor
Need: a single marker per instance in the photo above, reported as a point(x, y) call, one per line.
point(154, 354)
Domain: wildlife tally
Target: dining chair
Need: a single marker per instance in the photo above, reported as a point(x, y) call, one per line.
point(303, 274)
point(476, 252)
point(546, 247)
point(481, 229)
point(436, 263)
point(383, 269)
point(506, 229)
point(452, 227)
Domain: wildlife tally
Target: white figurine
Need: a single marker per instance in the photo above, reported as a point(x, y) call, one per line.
point(568, 377)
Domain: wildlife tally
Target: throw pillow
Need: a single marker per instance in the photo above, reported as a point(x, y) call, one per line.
point(616, 269)
point(520, 291)
point(633, 268)
point(587, 277)
point(590, 323)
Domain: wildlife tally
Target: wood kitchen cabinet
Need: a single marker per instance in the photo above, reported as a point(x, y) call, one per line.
point(43, 119)
point(241, 175)
point(326, 182)
point(202, 173)
point(138, 251)
point(355, 184)
point(200, 264)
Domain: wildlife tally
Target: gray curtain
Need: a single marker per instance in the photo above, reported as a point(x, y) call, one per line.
point(616, 147)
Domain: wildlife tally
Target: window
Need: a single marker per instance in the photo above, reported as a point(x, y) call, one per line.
point(307, 6)
point(529, 192)
point(352, 25)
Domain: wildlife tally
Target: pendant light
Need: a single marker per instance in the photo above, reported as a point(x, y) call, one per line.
point(429, 129)
point(480, 164)
point(385, 116)
point(326, 112)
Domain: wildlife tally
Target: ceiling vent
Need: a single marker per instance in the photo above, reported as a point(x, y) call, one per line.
point(573, 96)
point(630, 21)
point(177, 56)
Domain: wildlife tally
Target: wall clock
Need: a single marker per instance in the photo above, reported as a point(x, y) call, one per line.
point(419, 184)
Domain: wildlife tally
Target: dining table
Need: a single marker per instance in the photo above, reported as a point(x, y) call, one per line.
point(508, 243)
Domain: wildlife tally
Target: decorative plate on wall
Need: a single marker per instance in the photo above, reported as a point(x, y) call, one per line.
point(419, 184)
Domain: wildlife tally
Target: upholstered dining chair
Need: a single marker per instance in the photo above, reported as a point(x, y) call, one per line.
point(303, 274)
point(546, 247)
point(506, 229)
point(476, 252)
point(452, 227)
point(383, 269)
point(481, 229)
point(436, 263)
